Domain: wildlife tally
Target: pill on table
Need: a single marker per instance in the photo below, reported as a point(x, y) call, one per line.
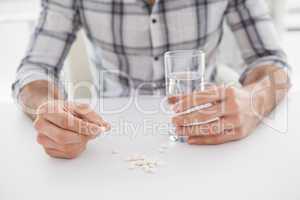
point(145, 167)
point(139, 163)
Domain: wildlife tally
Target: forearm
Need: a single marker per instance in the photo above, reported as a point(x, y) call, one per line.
point(269, 84)
point(36, 93)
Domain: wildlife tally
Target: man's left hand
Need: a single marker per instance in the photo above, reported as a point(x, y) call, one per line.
point(237, 111)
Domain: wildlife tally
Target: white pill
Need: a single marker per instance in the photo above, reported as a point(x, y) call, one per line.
point(150, 165)
point(139, 163)
point(154, 163)
point(145, 167)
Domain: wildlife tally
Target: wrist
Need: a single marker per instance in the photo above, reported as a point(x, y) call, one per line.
point(260, 98)
point(33, 95)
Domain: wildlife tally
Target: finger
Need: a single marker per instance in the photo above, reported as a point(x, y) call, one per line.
point(201, 116)
point(210, 95)
point(84, 111)
point(179, 97)
point(213, 128)
point(59, 135)
point(227, 136)
point(50, 107)
point(48, 143)
point(217, 110)
point(70, 122)
point(58, 154)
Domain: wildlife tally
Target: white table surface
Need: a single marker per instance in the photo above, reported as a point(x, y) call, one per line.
point(263, 166)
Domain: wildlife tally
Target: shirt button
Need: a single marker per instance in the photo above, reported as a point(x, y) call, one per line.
point(156, 58)
point(154, 21)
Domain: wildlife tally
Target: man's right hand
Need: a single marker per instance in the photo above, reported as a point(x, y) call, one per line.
point(64, 129)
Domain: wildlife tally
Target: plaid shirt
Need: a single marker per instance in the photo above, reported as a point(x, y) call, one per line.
point(129, 38)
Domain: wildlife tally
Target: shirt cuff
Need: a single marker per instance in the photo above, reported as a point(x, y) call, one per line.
point(262, 63)
point(34, 73)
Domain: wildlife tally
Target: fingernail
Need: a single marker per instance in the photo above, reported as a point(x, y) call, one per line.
point(96, 130)
point(103, 123)
point(102, 129)
point(108, 127)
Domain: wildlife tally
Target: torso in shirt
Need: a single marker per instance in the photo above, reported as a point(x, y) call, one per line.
point(129, 38)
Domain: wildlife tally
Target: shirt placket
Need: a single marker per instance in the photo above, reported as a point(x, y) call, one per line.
point(156, 40)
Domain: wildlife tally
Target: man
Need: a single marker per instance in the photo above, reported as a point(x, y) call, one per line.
point(129, 38)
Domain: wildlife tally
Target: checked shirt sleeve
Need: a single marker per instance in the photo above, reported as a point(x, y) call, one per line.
point(255, 33)
point(51, 41)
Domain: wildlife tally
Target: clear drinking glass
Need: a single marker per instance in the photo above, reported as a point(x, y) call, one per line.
point(184, 71)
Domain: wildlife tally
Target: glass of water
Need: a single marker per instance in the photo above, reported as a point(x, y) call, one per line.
point(184, 71)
